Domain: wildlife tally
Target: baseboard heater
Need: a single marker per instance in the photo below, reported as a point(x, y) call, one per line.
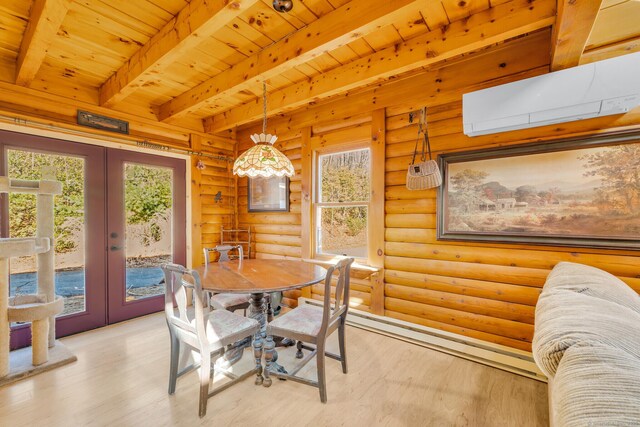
point(494, 355)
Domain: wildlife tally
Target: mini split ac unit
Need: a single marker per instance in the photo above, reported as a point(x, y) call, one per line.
point(598, 89)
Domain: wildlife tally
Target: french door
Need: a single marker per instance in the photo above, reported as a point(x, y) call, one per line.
point(79, 227)
point(120, 216)
point(146, 227)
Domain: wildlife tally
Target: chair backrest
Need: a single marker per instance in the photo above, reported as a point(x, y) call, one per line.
point(333, 312)
point(223, 250)
point(177, 280)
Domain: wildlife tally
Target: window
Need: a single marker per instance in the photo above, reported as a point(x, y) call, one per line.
point(341, 208)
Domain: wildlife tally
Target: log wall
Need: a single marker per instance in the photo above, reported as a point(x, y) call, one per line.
point(482, 290)
point(486, 290)
point(208, 211)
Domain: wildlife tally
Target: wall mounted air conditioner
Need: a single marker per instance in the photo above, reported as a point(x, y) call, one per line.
point(598, 89)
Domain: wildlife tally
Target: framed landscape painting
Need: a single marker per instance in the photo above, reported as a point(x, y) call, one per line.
point(580, 192)
point(268, 194)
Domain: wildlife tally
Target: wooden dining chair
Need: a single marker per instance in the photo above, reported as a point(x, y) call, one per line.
point(227, 301)
point(202, 330)
point(312, 325)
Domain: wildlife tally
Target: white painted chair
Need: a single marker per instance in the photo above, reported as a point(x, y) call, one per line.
point(312, 324)
point(227, 301)
point(202, 330)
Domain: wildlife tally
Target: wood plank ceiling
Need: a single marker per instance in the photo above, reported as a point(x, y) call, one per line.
point(201, 63)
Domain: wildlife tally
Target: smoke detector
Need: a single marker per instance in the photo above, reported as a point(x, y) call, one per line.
point(283, 5)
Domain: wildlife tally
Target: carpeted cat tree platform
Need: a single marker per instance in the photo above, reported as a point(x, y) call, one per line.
point(41, 308)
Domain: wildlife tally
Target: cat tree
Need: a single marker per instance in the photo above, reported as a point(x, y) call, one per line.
point(41, 308)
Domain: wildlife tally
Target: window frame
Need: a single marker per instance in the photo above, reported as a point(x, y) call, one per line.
point(370, 135)
point(317, 205)
point(317, 152)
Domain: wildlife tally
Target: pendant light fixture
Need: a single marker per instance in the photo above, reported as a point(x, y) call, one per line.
point(263, 159)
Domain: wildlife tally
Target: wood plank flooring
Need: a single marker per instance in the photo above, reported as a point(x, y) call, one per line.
point(120, 379)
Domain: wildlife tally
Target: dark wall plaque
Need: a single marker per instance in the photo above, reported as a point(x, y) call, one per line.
point(97, 121)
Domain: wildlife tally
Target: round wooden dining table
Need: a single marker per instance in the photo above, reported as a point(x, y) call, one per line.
point(259, 277)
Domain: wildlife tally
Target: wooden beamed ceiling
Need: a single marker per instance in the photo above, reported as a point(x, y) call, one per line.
point(200, 64)
point(348, 23)
point(483, 29)
point(200, 18)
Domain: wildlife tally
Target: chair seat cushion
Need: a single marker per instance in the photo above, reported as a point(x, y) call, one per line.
point(597, 385)
point(224, 328)
point(225, 300)
point(305, 319)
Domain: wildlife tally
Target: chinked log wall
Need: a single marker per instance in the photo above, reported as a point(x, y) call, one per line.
point(482, 290)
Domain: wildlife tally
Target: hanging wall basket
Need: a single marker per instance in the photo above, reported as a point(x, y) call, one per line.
point(424, 174)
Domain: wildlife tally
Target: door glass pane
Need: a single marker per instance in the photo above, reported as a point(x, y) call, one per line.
point(69, 231)
point(148, 196)
point(342, 231)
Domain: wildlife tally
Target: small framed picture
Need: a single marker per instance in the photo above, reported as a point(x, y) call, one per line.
point(268, 194)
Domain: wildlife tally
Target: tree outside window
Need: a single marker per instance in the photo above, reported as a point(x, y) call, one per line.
point(342, 203)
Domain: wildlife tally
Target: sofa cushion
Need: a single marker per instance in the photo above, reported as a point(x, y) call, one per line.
point(565, 318)
point(596, 385)
point(593, 282)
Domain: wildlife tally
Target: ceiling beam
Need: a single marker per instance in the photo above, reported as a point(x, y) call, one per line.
point(194, 23)
point(352, 21)
point(480, 30)
point(44, 22)
point(610, 51)
point(571, 31)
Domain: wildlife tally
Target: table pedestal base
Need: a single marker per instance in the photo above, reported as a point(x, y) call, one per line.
point(265, 343)
point(271, 361)
point(257, 312)
point(284, 342)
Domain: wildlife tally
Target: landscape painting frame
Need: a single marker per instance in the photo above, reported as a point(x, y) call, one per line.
point(572, 192)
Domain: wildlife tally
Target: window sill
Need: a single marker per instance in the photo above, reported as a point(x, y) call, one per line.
point(358, 270)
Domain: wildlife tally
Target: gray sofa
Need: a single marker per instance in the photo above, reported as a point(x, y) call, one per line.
point(587, 342)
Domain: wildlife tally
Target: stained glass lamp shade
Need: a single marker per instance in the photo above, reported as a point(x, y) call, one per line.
point(263, 159)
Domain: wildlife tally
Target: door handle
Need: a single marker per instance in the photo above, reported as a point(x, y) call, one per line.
point(116, 248)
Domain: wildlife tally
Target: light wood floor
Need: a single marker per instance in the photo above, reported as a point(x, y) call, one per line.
point(121, 377)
